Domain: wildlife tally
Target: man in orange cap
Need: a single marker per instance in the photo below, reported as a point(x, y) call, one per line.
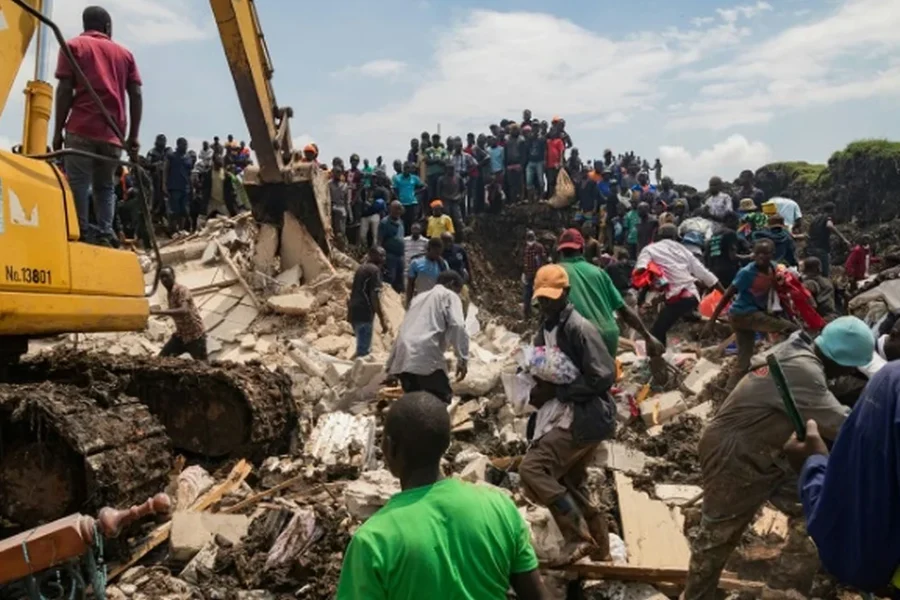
point(310, 153)
point(438, 222)
point(596, 297)
point(572, 419)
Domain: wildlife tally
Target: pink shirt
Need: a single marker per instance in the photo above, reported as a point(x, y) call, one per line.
point(109, 68)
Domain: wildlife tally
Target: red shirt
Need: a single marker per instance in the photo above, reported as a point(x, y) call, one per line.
point(109, 68)
point(555, 149)
point(855, 267)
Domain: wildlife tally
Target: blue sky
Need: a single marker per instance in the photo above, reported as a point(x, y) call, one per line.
point(709, 86)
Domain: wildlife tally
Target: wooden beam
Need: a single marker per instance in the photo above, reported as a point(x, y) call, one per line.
point(598, 570)
point(159, 535)
point(237, 273)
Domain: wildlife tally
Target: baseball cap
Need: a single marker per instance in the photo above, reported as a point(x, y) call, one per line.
point(435, 203)
point(550, 282)
point(847, 341)
point(571, 239)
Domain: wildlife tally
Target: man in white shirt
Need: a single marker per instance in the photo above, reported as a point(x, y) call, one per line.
point(433, 321)
point(415, 245)
point(718, 203)
point(677, 283)
point(788, 209)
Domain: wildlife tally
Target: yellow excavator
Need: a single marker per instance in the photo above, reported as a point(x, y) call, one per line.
point(51, 282)
point(83, 429)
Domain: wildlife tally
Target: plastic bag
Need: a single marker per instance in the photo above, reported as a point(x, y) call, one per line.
point(564, 192)
point(517, 387)
point(550, 364)
point(709, 303)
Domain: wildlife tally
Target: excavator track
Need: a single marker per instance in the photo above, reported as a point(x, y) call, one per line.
point(67, 449)
point(82, 430)
point(217, 411)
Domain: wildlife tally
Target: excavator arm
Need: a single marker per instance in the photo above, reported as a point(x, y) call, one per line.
point(277, 187)
point(251, 67)
point(17, 28)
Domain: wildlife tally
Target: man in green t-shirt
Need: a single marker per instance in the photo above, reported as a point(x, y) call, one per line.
point(439, 537)
point(596, 298)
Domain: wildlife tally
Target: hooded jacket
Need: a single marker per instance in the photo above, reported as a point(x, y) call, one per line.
point(594, 412)
point(785, 249)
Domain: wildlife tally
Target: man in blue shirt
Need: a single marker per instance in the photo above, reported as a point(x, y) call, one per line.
point(177, 186)
point(406, 186)
point(850, 496)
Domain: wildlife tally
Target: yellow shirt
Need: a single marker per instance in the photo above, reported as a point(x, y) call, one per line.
point(438, 225)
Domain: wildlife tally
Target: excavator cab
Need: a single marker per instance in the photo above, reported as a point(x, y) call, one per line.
point(50, 281)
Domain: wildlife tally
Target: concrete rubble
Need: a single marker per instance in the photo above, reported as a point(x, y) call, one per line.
point(334, 476)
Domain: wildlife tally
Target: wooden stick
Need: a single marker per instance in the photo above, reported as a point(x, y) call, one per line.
point(214, 286)
point(159, 535)
point(693, 500)
point(237, 273)
point(265, 493)
point(596, 570)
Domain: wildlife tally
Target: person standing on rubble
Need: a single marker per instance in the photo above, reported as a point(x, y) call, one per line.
point(434, 319)
point(469, 541)
point(595, 297)
point(390, 237)
point(751, 311)
point(424, 271)
point(571, 420)
point(818, 241)
point(534, 257)
point(741, 458)
point(190, 335)
point(365, 301)
point(679, 272)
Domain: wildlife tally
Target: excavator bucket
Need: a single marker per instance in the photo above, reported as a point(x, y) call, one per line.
point(303, 193)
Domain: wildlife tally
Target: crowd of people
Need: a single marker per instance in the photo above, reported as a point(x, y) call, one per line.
point(735, 252)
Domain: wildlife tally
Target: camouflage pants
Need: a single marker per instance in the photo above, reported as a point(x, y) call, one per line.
point(729, 506)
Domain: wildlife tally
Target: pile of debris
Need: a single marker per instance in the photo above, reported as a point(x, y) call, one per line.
point(279, 529)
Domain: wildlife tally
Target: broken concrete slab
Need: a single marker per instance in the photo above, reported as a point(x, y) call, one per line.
point(365, 371)
point(210, 253)
point(298, 247)
point(548, 541)
point(227, 331)
point(198, 278)
point(370, 492)
point(177, 253)
point(703, 411)
point(220, 303)
point(476, 470)
point(211, 319)
point(191, 531)
point(298, 303)
point(202, 564)
point(248, 342)
point(676, 495)
point(335, 372)
point(242, 315)
point(341, 438)
point(703, 373)
point(266, 248)
point(619, 457)
point(192, 482)
point(481, 379)
point(662, 408)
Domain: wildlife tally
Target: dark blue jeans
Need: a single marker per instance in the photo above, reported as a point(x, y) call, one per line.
point(393, 272)
point(363, 333)
point(92, 180)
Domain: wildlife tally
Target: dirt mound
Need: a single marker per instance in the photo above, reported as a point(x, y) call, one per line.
point(675, 448)
point(211, 409)
point(67, 449)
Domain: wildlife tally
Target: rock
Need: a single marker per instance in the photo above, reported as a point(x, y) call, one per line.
point(128, 588)
point(370, 492)
point(619, 457)
point(480, 380)
point(771, 524)
point(278, 469)
point(342, 439)
point(291, 277)
point(191, 531)
point(466, 456)
point(476, 470)
point(266, 247)
point(298, 303)
point(248, 342)
point(201, 565)
point(365, 371)
point(703, 372)
point(704, 410)
point(264, 344)
point(676, 495)
point(307, 364)
point(662, 408)
point(115, 593)
point(547, 539)
point(332, 344)
point(192, 482)
point(620, 590)
point(210, 254)
point(335, 372)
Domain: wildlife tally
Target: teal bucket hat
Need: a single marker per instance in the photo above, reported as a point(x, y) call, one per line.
point(847, 341)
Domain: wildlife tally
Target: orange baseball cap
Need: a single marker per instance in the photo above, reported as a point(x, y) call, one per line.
point(550, 282)
point(435, 203)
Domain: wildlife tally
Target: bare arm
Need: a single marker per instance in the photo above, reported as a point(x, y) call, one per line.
point(836, 232)
point(729, 294)
point(135, 112)
point(528, 586)
point(65, 96)
point(410, 290)
point(375, 300)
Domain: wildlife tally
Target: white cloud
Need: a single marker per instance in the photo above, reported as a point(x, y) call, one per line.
point(725, 159)
point(805, 65)
point(747, 11)
point(147, 22)
point(383, 67)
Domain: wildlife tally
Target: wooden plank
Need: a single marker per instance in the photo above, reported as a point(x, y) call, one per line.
point(600, 571)
point(652, 531)
point(159, 535)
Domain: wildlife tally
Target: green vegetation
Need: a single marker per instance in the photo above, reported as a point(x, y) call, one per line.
point(799, 171)
point(871, 149)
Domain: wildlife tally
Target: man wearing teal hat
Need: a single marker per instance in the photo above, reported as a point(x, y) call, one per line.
point(741, 450)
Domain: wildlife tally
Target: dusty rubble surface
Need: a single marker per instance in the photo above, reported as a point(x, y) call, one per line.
point(313, 418)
